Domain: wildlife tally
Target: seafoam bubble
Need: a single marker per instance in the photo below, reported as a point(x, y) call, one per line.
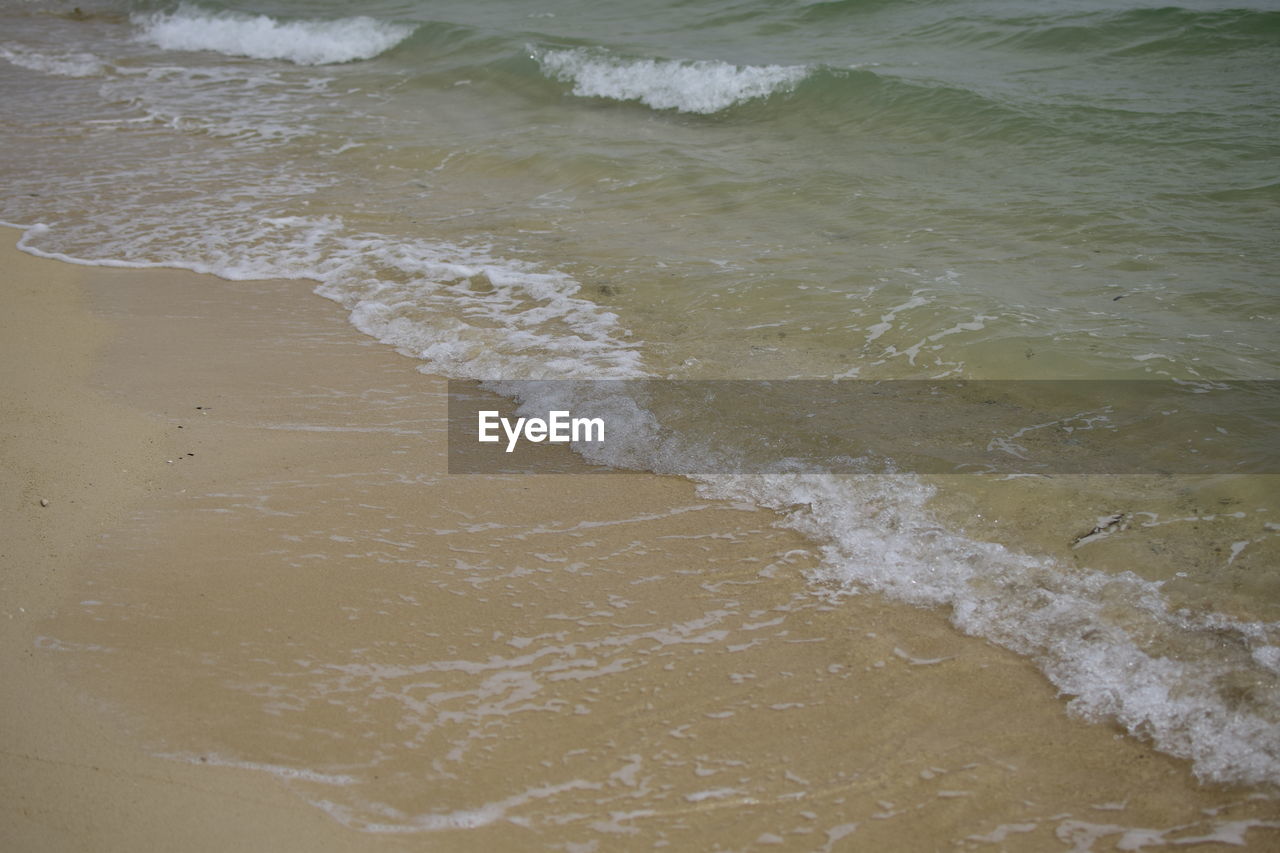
point(261, 37)
point(688, 86)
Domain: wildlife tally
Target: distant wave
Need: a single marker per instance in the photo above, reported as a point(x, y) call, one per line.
point(261, 37)
point(1164, 31)
point(688, 86)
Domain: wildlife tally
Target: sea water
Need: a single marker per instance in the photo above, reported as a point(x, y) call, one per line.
point(749, 189)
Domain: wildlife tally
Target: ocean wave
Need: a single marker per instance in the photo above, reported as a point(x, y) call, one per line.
point(468, 313)
point(261, 37)
point(1112, 643)
point(61, 65)
point(687, 86)
point(1165, 31)
point(834, 97)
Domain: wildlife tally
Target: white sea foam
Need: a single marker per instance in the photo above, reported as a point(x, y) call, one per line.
point(61, 65)
point(1110, 642)
point(269, 105)
point(464, 312)
point(461, 310)
point(689, 86)
point(261, 37)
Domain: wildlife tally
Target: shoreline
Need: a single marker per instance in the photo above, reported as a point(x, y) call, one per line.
point(305, 502)
point(72, 780)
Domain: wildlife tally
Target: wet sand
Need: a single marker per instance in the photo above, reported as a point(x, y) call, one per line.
point(258, 614)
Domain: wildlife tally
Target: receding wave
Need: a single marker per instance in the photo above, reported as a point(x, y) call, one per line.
point(61, 65)
point(261, 37)
point(688, 86)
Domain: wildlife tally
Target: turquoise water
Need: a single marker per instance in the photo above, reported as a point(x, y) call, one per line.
point(751, 189)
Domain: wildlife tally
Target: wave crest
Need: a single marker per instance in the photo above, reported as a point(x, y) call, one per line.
point(687, 86)
point(261, 37)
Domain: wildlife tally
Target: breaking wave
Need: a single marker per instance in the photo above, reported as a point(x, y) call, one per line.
point(688, 86)
point(261, 37)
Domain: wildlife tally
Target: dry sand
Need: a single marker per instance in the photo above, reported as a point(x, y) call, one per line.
point(252, 557)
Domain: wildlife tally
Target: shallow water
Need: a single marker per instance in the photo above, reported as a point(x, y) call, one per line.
point(754, 190)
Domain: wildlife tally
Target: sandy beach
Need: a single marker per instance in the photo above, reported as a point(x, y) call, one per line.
point(256, 614)
point(72, 779)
